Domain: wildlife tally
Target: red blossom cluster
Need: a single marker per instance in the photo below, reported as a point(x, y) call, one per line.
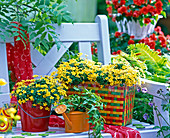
point(140, 8)
point(156, 41)
point(93, 49)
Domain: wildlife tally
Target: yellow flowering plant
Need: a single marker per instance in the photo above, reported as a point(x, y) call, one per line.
point(78, 70)
point(43, 91)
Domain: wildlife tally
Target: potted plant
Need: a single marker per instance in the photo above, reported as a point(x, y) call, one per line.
point(83, 111)
point(156, 40)
point(137, 18)
point(35, 97)
point(115, 83)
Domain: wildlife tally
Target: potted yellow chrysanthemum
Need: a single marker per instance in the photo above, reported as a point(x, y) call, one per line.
point(115, 83)
point(35, 98)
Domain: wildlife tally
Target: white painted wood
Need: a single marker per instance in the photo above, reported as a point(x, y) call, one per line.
point(4, 98)
point(103, 46)
point(147, 132)
point(50, 59)
point(84, 33)
point(4, 67)
point(73, 32)
point(85, 48)
point(152, 88)
point(36, 56)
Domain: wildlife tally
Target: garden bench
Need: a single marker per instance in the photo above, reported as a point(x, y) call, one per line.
point(84, 34)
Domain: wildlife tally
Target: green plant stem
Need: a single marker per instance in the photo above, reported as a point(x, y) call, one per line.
point(162, 117)
point(159, 122)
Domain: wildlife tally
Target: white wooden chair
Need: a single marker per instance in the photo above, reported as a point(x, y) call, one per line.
point(83, 33)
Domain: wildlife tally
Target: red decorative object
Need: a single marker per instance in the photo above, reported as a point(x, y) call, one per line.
point(19, 60)
point(34, 125)
point(115, 131)
point(121, 131)
point(56, 121)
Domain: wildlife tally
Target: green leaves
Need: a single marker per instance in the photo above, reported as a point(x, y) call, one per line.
point(86, 101)
point(35, 18)
point(157, 65)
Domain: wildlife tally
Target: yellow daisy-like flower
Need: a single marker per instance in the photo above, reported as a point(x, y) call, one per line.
point(2, 82)
point(51, 97)
point(41, 107)
point(47, 108)
point(45, 104)
point(31, 98)
point(35, 76)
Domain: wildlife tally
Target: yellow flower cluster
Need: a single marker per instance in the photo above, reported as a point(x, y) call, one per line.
point(78, 70)
point(43, 91)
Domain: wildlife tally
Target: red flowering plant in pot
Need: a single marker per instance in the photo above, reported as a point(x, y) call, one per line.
point(156, 41)
point(132, 14)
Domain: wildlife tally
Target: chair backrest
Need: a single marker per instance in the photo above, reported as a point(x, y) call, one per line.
point(83, 33)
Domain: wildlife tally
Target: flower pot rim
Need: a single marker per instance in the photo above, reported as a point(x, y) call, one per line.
point(76, 112)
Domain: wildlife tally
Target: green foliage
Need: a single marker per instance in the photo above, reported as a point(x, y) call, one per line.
point(157, 65)
point(141, 106)
point(34, 17)
point(87, 101)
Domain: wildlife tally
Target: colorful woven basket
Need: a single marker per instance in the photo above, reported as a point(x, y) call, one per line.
point(119, 101)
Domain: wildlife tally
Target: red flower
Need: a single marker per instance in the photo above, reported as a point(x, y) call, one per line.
point(150, 8)
point(117, 34)
point(115, 2)
point(147, 20)
point(139, 2)
point(159, 51)
point(109, 9)
point(129, 13)
point(122, 9)
point(153, 37)
point(108, 2)
point(92, 44)
point(158, 11)
point(162, 39)
point(144, 10)
point(92, 50)
point(114, 53)
point(122, 2)
point(131, 42)
point(95, 50)
point(151, 44)
point(157, 29)
point(163, 45)
point(114, 19)
point(132, 36)
point(168, 37)
point(119, 51)
point(145, 40)
point(158, 5)
point(136, 14)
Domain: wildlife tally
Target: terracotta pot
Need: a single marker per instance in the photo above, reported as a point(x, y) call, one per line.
point(78, 120)
point(35, 124)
